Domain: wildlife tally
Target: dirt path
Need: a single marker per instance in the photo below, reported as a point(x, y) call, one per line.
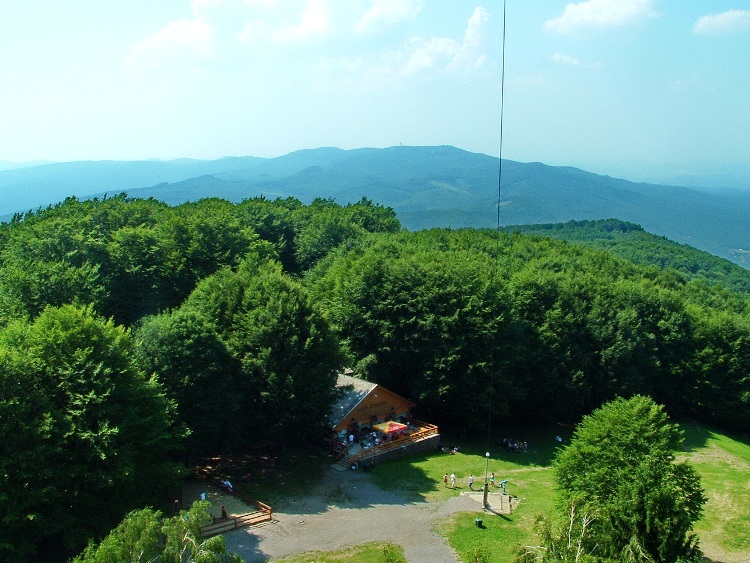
point(347, 509)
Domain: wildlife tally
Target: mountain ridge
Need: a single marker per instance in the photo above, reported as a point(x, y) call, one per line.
point(431, 186)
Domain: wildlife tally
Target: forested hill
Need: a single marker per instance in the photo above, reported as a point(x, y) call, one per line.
point(426, 186)
point(632, 242)
point(135, 335)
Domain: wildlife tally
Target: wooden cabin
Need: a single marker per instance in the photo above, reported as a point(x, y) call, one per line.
point(370, 424)
point(362, 404)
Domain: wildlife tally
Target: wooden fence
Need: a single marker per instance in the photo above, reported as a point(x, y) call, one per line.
point(425, 430)
point(264, 512)
point(223, 525)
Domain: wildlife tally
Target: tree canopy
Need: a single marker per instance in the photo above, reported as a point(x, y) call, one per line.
point(85, 433)
point(620, 471)
point(146, 535)
point(455, 319)
point(247, 353)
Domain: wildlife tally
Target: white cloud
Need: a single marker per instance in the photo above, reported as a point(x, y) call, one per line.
point(191, 36)
point(684, 83)
point(314, 22)
point(565, 59)
point(388, 12)
point(444, 51)
point(333, 66)
point(202, 6)
point(428, 54)
point(726, 22)
point(257, 30)
point(473, 33)
point(600, 14)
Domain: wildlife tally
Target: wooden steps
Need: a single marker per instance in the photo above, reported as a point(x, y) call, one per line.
point(223, 525)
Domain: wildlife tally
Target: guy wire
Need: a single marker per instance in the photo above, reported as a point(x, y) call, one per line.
point(497, 228)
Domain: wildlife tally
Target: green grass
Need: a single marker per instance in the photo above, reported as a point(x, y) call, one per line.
point(500, 533)
point(376, 552)
point(421, 476)
point(723, 463)
point(530, 479)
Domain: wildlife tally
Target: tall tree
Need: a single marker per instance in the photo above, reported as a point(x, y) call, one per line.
point(84, 435)
point(198, 373)
point(620, 471)
point(287, 353)
point(431, 323)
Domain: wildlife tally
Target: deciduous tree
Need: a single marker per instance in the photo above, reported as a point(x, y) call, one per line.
point(288, 356)
point(145, 536)
point(620, 469)
point(84, 435)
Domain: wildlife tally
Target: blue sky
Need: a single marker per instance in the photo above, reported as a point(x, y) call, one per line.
point(631, 88)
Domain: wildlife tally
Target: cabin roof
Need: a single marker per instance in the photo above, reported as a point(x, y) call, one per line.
point(352, 391)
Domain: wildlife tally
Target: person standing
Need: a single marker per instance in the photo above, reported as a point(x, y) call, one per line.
point(453, 480)
point(445, 480)
point(471, 482)
point(492, 479)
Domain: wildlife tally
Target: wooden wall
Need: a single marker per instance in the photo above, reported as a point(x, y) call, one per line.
point(381, 403)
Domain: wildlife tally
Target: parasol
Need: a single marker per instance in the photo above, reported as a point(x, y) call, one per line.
point(390, 427)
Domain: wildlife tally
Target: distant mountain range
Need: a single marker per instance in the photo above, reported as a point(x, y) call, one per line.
point(427, 187)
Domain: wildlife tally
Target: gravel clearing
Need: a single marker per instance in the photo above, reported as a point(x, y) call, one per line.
point(346, 509)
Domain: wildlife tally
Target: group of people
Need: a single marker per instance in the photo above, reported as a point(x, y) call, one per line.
point(452, 479)
point(515, 446)
point(369, 438)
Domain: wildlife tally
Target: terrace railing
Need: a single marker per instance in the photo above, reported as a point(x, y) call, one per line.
point(424, 430)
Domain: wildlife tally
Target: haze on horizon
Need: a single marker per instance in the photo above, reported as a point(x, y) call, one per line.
point(639, 89)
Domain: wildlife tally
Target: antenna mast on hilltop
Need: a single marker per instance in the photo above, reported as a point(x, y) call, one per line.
point(502, 110)
point(497, 254)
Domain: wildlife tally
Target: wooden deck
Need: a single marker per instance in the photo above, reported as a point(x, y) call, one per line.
point(424, 431)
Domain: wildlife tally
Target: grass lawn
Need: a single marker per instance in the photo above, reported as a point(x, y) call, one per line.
point(365, 553)
point(500, 534)
point(529, 476)
point(723, 463)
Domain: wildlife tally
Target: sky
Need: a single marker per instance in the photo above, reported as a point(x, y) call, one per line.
point(630, 88)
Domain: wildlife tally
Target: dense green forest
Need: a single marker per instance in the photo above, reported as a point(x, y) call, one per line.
point(631, 241)
point(135, 336)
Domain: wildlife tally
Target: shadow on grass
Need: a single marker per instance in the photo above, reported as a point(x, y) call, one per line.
point(541, 441)
point(697, 435)
point(271, 477)
point(299, 480)
point(302, 481)
point(410, 476)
